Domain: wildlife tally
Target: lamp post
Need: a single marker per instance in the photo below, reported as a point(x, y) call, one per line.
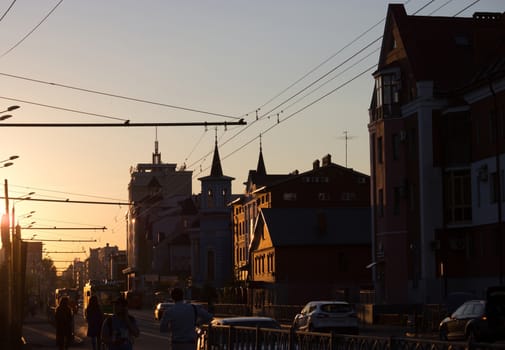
point(16, 274)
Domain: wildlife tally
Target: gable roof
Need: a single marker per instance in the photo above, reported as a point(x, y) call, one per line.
point(315, 226)
point(446, 50)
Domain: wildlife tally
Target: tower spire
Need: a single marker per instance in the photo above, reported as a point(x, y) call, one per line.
point(216, 170)
point(260, 169)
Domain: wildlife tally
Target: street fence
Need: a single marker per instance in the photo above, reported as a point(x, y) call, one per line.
point(249, 338)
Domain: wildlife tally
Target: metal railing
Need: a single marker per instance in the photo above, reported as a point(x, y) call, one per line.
point(250, 338)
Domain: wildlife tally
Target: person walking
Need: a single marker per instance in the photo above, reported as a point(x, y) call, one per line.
point(94, 318)
point(64, 323)
point(119, 329)
point(180, 320)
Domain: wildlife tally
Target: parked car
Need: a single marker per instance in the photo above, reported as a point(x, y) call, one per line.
point(320, 316)
point(477, 320)
point(160, 308)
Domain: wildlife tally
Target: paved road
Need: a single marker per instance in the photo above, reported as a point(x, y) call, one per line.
point(40, 334)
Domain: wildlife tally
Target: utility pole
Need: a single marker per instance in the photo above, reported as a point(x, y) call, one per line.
point(9, 258)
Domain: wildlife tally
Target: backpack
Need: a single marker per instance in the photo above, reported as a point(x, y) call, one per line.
point(109, 322)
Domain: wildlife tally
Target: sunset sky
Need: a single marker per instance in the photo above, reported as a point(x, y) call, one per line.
point(304, 66)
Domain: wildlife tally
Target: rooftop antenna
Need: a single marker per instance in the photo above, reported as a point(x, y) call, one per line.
point(346, 137)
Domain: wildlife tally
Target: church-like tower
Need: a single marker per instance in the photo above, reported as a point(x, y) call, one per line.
point(214, 256)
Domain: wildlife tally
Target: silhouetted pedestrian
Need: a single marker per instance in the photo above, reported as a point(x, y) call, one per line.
point(180, 320)
point(119, 329)
point(64, 324)
point(94, 318)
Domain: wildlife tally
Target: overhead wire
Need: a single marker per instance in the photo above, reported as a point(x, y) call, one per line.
point(319, 99)
point(466, 8)
point(31, 31)
point(63, 108)
point(94, 91)
point(127, 98)
point(8, 9)
point(321, 64)
point(441, 6)
point(304, 89)
point(242, 130)
point(63, 192)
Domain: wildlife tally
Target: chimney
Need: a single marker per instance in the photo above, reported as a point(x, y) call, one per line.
point(315, 164)
point(327, 160)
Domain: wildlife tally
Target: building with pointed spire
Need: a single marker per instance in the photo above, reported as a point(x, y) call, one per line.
point(245, 211)
point(280, 218)
point(212, 257)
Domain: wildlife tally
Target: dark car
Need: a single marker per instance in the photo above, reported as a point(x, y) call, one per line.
point(477, 320)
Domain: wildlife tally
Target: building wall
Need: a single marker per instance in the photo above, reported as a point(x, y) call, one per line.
point(310, 273)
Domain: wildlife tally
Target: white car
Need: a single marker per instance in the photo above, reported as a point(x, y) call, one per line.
point(320, 316)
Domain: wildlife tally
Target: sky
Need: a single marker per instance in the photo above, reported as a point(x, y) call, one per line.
point(298, 72)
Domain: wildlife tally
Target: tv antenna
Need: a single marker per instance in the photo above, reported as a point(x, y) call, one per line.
point(346, 137)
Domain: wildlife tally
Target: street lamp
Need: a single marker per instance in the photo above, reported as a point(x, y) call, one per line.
point(9, 109)
point(7, 162)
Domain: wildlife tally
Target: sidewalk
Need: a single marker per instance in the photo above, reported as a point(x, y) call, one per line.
point(38, 333)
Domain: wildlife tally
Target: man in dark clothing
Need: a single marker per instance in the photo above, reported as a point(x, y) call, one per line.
point(180, 321)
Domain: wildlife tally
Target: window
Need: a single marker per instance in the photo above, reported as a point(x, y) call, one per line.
point(457, 196)
point(386, 91)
